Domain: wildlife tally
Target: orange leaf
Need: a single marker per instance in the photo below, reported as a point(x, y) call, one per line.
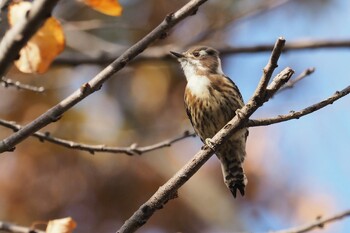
point(43, 47)
point(63, 225)
point(108, 7)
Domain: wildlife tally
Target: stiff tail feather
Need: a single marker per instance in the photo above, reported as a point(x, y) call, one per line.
point(232, 157)
point(234, 178)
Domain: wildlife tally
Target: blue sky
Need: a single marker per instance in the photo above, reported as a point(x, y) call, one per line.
point(314, 150)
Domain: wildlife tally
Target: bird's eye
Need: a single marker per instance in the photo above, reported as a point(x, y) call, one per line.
point(196, 54)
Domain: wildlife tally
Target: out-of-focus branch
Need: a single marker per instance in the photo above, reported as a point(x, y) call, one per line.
point(96, 83)
point(21, 32)
point(134, 149)
point(169, 190)
point(162, 52)
point(303, 112)
point(292, 46)
point(6, 82)
point(12, 228)
point(318, 223)
point(221, 25)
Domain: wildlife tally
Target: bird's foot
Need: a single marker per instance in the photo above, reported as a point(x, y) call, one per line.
point(239, 113)
point(209, 143)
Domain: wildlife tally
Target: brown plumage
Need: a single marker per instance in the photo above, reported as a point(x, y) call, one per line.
point(211, 100)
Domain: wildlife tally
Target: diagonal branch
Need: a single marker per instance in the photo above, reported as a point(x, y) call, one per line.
point(131, 150)
point(303, 112)
point(169, 190)
point(22, 31)
point(318, 223)
point(95, 84)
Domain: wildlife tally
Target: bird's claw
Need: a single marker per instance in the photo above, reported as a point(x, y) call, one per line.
point(239, 113)
point(209, 143)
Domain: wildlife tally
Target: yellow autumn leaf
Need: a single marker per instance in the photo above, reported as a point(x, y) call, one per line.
point(108, 7)
point(63, 225)
point(43, 47)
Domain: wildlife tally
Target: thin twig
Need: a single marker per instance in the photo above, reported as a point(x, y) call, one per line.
point(169, 190)
point(22, 31)
point(221, 25)
point(303, 112)
point(96, 83)
point(269, 68)
point(20, 86)
point(292, 82)
point(131, 150)
point(318, 223)
point(12, 228)
point(163, 51)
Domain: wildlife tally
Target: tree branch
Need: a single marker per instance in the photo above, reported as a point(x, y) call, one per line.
point(292, 82)
point(291, 46)
point(303, 112)
point(20, 86)
point(162, 52)
point(12, 228)
point(318, 223)
point(169, 190)
point(95, 84)
point(269, 68)
point(21, 32)
point(131, 150)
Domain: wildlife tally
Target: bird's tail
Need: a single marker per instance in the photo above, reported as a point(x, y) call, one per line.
point(231, 164)
point(235, 179)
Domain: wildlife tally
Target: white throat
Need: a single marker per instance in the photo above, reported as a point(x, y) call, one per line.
point(197, 84)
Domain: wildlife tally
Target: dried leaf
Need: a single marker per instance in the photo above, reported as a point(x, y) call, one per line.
point(63, 225)
point(108, 7)
point(43, 47)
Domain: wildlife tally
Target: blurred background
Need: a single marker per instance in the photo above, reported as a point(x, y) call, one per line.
point(297, 170)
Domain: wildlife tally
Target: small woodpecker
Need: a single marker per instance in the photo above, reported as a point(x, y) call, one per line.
point(211, 100)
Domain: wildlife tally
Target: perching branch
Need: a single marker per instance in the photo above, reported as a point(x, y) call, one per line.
point(20, 86)
point(318, 223)
point(22, 31)
point(95, 84)
point(169, 190)
point(131, 150)
point(12, 228)
point(162, 52)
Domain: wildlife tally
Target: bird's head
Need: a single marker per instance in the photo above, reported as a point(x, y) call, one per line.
point(200, 60)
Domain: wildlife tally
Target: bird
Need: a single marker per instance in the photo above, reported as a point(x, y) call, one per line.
point(211, 100)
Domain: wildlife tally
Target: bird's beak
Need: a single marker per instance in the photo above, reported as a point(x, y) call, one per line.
point(178, 55)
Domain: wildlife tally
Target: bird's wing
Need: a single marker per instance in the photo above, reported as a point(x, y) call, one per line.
point(188, 112)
